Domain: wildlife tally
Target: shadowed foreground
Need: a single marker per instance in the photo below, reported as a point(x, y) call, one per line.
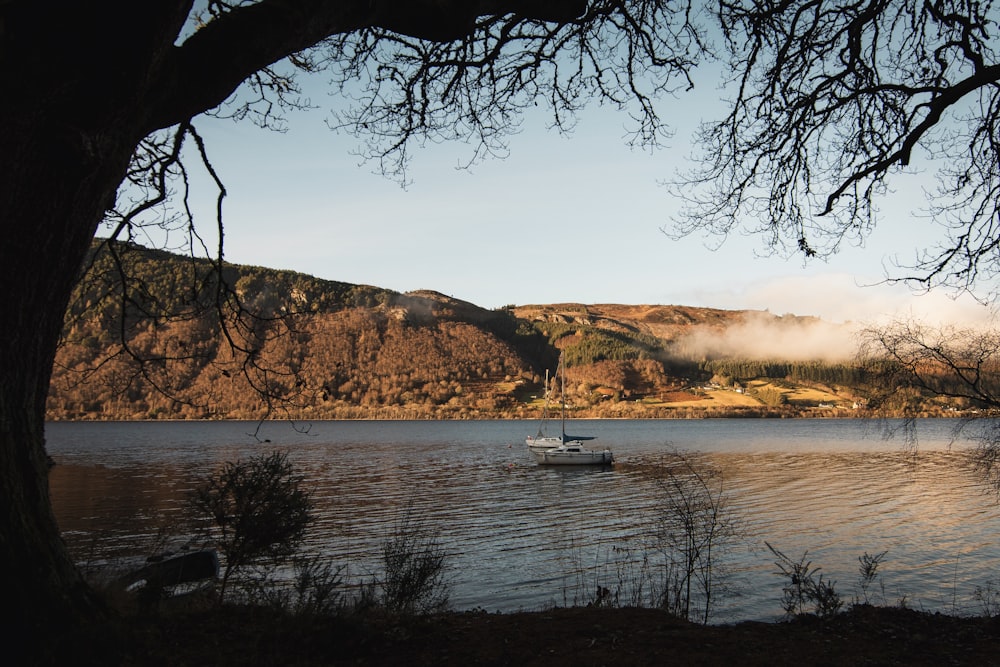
point(577, 636)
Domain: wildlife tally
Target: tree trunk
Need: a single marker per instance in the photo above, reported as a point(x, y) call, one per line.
point(74, 109)
point(55, 185)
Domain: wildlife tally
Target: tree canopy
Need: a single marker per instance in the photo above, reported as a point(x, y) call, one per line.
point(101, 98)
point(831, 100)
point(411, 72)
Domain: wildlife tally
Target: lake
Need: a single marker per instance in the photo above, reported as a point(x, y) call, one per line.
point(523, 536)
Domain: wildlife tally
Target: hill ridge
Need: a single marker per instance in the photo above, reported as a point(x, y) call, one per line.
point(330, 349)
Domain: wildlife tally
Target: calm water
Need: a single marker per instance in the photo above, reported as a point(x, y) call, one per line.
point(521, 536)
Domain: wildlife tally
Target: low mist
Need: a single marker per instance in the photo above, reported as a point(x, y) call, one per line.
point(766, 336)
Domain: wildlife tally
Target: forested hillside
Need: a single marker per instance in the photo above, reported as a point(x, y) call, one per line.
point(270, 343)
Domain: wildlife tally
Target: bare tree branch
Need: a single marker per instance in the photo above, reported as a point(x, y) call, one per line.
point(831, 100)
point(408, 73)
point(960, 364)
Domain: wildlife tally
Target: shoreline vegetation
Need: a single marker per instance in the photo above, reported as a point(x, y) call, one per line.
point(395, 413)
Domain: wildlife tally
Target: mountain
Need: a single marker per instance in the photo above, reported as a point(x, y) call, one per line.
point(263, 342)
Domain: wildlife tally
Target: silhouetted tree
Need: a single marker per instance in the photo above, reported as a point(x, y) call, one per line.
point(101, 94)
point(961, 364)
point(947, 361)
point(829, 101)
point(258, 512)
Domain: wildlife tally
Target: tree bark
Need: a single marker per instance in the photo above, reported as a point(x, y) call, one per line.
point(56, 185)
point(68, 126)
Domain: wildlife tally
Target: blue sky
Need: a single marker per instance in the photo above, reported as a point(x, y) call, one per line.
point(562, 219)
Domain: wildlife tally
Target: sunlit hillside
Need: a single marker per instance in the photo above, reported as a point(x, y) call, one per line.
point(265, 342)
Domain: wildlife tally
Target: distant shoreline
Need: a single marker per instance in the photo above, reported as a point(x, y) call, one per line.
point(313, 418)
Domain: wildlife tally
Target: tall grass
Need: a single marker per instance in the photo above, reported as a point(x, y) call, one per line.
point(414, 578)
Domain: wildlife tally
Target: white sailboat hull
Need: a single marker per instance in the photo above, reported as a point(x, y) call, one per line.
point(542, 442)
point(573, 454)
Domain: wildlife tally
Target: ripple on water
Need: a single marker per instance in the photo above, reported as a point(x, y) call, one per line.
point(521, 535)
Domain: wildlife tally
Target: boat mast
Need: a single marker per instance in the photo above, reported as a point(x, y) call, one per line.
point(562, 397)
point(543, 425)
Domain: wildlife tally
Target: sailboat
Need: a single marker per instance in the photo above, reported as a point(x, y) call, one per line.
point(563, 449)
point(541, 441)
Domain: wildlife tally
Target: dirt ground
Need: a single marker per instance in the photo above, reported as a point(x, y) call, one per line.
point(554, 638)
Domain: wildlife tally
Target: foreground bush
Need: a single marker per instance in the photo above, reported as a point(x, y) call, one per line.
point(258, 511)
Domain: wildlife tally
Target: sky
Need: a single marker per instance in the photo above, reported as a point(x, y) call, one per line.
point(561, 219)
